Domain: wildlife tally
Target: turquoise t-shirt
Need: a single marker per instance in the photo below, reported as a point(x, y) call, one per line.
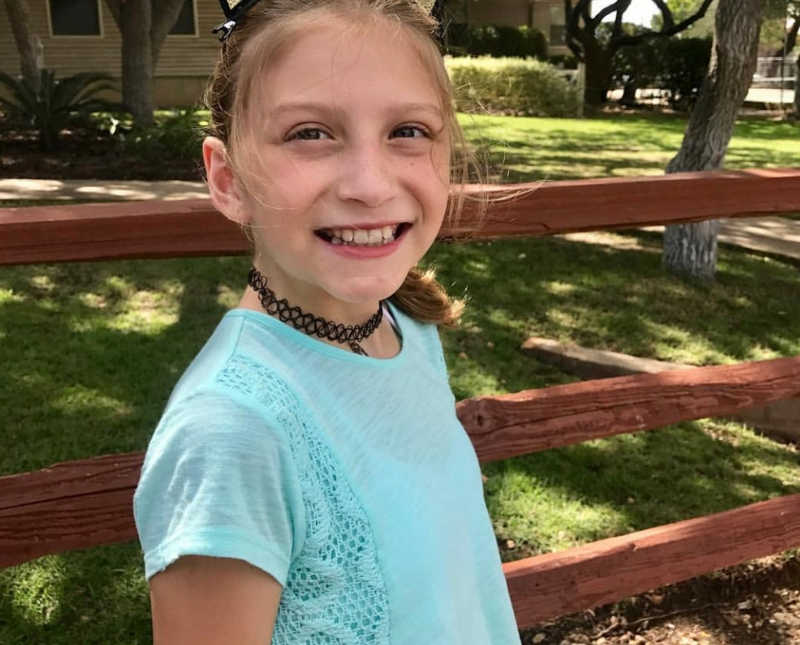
point(349, 479)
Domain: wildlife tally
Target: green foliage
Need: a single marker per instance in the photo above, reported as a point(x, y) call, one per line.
point(178, 136)
point(563, 61)
point(685, 65)
point(496, 41)
point(683, 9)
point(511, 86)
point(57, 104)
point(677, 65)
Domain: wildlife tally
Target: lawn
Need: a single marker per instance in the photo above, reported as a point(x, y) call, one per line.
point(621, 145)
point(90, 352)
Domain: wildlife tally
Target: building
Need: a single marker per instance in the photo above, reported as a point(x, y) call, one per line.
point(546, 15)
point(81, 36)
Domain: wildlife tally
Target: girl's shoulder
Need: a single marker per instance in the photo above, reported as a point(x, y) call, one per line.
point(229, 386)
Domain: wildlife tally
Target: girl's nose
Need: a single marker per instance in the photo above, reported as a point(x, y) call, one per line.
point(366, 177)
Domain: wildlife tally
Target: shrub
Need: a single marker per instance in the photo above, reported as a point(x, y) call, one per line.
point(685, 62)
point(636, 67)
point(677, 65)
point(512, 87)
point(495, 41)
point(563, 61)
point(57, 104)
point(178, 136)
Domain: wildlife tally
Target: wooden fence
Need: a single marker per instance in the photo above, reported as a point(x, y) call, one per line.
point(88, 503)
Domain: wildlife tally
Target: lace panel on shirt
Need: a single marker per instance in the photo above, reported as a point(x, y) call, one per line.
point(335, 593)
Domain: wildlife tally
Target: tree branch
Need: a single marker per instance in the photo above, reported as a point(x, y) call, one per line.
point(164, 15)
point(667, 19)
point(626, 40)
point(791, 37)
point(605, 11)
point(624, 4)
point(572, 17)
point(114, 6)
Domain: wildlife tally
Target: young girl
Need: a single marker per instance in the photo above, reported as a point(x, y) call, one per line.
point(309, 481)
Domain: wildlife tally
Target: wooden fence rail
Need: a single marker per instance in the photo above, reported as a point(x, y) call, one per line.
point(162, 229)
point(88, 502)
point(551, 585)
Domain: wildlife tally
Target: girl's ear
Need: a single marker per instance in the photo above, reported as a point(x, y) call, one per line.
point(222, 186)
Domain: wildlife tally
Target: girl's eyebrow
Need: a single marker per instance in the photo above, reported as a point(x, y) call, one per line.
point(327, 109)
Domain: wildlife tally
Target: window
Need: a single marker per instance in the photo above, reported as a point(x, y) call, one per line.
point(74, 17)
point(184, 26)
point(558, 35)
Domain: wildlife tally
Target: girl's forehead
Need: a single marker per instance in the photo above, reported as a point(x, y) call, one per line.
point(341, 62)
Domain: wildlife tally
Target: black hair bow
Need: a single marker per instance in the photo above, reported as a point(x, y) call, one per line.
point(234, 11)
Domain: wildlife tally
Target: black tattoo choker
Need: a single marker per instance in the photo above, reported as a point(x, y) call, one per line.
point(310, 324)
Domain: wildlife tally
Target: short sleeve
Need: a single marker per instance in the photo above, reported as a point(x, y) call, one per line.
point(219, 480)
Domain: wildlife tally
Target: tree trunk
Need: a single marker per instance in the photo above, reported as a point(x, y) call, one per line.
point(137, 65)
point(598, 75)
point(629, 93)
point(691, 249)
point(796, 102)
point(789, 41)
point(28, 44)
point(143, 27)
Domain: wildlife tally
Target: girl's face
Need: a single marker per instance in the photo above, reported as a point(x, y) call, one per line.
point(352, 159)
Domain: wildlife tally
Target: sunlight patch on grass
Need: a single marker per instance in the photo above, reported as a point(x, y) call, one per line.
point(227, 297)
point(77, 397)
point(559, 287)
point(9, 296)
point(35, 590)
point(563, 318)
point(116, 285)
point(514, 498)
point(146, 312)
point(93, 300)
point(42, 283)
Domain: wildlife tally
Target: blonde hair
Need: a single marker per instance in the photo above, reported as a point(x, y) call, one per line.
point(274, 22)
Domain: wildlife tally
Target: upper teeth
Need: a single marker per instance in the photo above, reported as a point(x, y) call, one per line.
point(364, 237)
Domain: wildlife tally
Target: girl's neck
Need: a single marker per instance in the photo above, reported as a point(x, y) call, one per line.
point(383, 343)
point(334, 311)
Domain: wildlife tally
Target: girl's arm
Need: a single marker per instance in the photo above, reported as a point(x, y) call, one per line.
point(201, 600)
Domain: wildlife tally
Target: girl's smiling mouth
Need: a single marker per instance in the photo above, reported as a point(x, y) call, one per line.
point(363, 237)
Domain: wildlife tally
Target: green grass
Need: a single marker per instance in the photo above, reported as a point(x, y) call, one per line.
point(91, 351)
point(584, 293)
point(623, 145)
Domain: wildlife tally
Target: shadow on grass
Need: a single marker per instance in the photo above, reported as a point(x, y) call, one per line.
point(91, 351)
point(643, 480)
point(90, 355)
point(92, 597)
point(582, 293)
point(586, 294)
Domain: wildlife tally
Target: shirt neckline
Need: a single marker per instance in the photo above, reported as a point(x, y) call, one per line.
point(319, 346)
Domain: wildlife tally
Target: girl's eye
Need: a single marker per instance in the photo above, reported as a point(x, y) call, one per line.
point(410, 132)
point(308, 134)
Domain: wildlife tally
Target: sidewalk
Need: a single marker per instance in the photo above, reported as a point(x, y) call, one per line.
point(775, 235)
point(11, 189)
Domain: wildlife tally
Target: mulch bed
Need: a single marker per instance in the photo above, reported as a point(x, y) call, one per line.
point(753, 604)
point(84, 156)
